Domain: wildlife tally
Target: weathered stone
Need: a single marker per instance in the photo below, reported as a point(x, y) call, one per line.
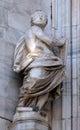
point(7, 108)
point(60, 21)
point(4, 124)
point(66, 107)
point(25, 118)
point(6, 5)
point(18, 21)
point(2, 33)
point(32, 56)
point(8, 81)
point(57, 112)
point(3, 17)
point(9, 1)
point(13, 35)
point(25, 7)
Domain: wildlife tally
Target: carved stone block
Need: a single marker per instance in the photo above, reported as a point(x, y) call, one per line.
point(26, 119)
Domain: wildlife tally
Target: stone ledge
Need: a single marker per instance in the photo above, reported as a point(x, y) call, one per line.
point(25, 118)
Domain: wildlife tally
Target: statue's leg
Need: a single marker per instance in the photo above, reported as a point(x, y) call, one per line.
point(33, 76)
point(38, 73)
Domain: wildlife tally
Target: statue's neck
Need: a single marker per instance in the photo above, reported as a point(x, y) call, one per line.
point(36, 26)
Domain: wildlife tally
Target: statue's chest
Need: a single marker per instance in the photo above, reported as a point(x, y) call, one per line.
point(36, 45)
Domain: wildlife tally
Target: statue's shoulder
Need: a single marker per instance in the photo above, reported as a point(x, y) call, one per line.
point(36, 29)
point(28, 33)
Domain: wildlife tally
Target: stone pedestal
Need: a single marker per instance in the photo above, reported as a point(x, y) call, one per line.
point(26, 119)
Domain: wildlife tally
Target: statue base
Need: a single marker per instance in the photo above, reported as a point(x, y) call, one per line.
point(27, 119)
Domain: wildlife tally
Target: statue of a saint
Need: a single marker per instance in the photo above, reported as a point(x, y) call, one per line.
point(43, 71)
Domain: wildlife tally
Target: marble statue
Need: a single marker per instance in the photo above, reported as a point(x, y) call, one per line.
point(43, 71)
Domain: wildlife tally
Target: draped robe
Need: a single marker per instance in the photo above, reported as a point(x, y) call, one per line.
point(43, 72)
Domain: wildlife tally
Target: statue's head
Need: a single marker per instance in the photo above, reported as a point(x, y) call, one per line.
point(39, 18)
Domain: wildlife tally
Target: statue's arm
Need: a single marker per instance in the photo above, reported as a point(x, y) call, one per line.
point(58, 43)
point(21, 59)
point(49, 41)
point(41, 35)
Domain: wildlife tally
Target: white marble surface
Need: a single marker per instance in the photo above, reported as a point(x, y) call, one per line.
point(25, 118)
point(11, 34)
point(4, 124)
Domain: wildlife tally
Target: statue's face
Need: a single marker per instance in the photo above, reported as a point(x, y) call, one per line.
point(39, 18)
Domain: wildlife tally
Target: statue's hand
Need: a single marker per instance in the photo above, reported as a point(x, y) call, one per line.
point(59, 42)
point(62, 41)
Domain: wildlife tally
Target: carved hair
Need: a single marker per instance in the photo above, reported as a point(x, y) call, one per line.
point(39, 18)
